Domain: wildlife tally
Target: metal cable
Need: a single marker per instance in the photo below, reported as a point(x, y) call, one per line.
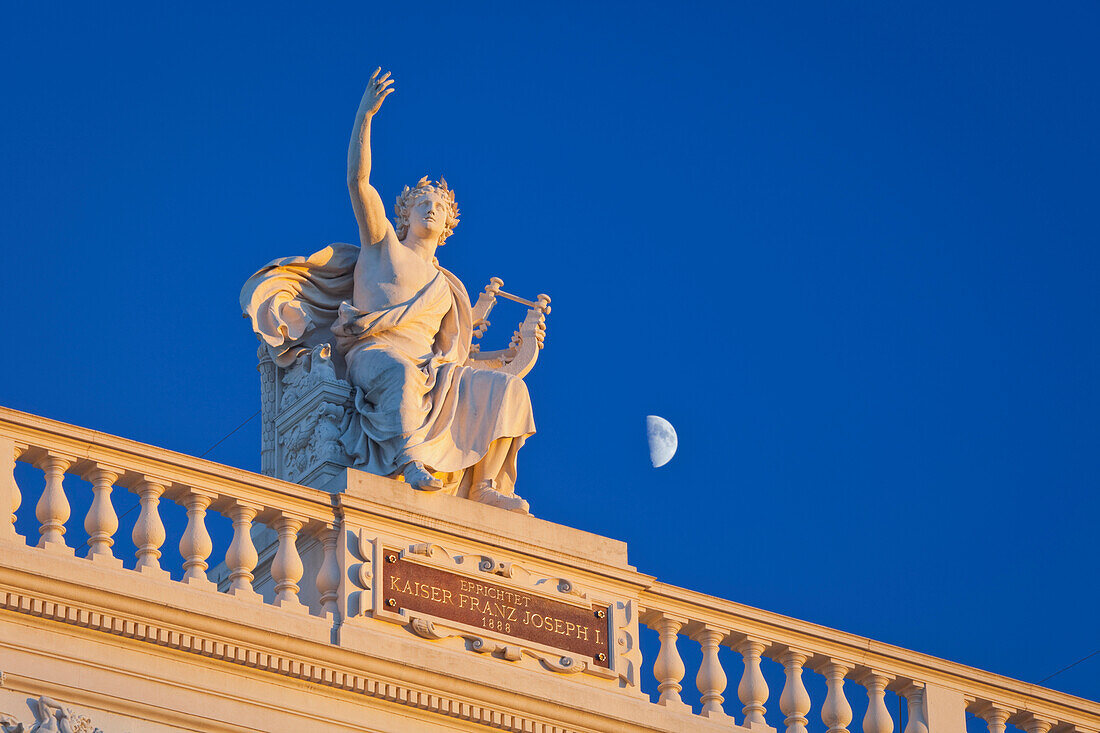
point(1063, 669)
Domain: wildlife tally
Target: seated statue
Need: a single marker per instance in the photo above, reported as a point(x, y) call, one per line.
point(403, 326)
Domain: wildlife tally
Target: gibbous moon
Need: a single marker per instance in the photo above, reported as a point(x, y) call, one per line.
point(662, 440)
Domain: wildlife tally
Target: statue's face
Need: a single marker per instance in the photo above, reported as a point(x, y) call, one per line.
point(428, 216)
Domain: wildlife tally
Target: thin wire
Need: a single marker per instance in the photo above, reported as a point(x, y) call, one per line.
point(224, 438)
point(1063, 669)
point(250, 419)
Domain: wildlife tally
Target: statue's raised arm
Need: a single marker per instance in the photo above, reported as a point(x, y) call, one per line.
point(369, 211)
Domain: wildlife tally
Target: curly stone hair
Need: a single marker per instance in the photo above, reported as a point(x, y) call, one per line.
point(409, 196)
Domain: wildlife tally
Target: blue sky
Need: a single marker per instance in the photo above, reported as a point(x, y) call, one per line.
point(849, 251)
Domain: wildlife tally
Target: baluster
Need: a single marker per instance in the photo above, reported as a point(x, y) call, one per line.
point(148, 534)
point(794, 701)
point(995, 716)
point(753, 690)
point(101, 521)
point(836, 713)
point(195, 544)
point(53, 508)
point(328, 576)
point(668, 668)
point(914, 696)
point(9, 489)
point(877, 719)
point(286, 567)
point(241, 557)
point(711, 679)
point(1036, 724)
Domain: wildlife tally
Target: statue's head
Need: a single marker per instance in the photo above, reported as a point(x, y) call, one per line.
point(425, 210)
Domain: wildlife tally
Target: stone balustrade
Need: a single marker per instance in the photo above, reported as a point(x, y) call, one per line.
point(937, 693)
point(156, 475)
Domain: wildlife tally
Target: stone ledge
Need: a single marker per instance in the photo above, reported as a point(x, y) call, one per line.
point(470, 520)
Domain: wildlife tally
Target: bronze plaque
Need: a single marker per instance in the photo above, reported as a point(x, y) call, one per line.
point(578, 629)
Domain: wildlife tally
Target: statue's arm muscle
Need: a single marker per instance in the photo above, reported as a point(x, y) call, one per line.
point(369, 210)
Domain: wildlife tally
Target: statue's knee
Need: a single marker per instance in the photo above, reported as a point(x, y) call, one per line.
point(379, 369)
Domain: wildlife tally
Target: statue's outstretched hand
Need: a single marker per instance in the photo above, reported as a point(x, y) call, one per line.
point(378, 88)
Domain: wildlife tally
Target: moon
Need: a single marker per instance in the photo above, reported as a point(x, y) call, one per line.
point(662, 440)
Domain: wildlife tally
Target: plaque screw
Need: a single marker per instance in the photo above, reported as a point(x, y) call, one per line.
point(601, 613)
point(391, 558)
point(601, 657)
point(391, 603)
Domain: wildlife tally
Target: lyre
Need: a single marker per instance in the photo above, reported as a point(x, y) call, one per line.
point(527, 339)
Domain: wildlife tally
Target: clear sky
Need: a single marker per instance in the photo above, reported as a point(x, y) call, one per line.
point(849, 250)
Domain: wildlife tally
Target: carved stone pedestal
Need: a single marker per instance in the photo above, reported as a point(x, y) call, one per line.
point(306, 410)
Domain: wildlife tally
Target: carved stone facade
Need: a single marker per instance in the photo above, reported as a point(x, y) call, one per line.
point(305, 410)
point(383, 608)
point(49, 717)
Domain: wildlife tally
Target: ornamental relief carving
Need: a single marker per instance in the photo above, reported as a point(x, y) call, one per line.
point(437, 554)
point(314, 440)
point(436, 629)
point(49, 717)
point(311, 411)
point(360, 602)
point(628, 655)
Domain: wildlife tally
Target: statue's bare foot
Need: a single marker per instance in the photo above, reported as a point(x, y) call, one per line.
point(420, 478)
point(486, 492)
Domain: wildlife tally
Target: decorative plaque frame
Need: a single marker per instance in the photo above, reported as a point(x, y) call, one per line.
point(543, 608)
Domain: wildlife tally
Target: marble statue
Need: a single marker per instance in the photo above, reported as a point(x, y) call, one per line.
point(427, 406)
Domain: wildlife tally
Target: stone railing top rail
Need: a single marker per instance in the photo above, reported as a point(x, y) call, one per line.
point(980, 689)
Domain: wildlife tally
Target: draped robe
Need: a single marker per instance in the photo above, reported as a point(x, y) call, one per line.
point(415, 397)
